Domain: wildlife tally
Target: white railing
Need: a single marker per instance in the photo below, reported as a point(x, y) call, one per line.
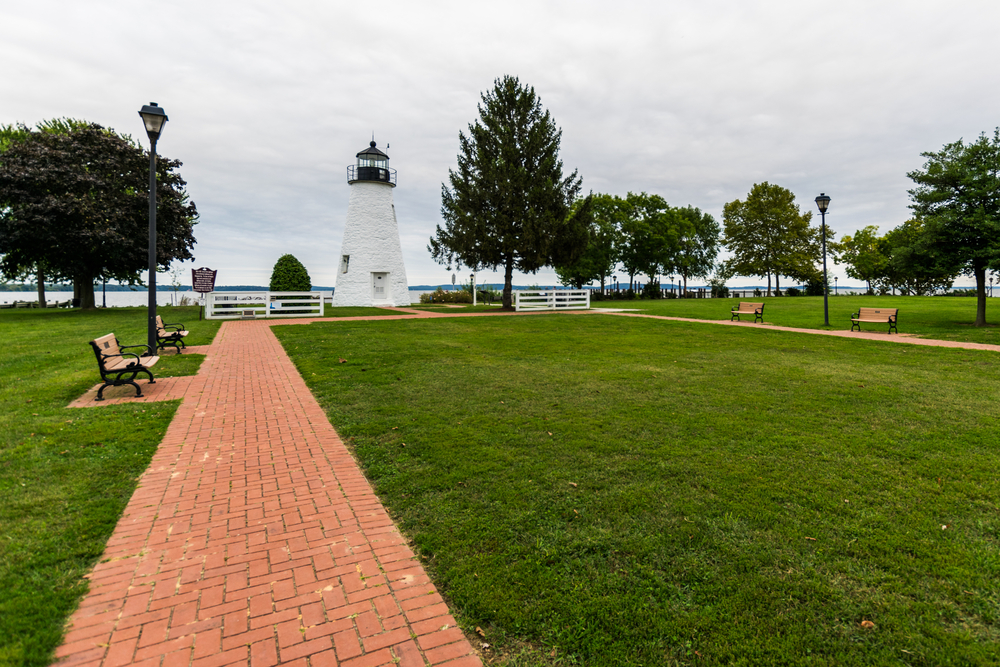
point(254, 305)
point(551, 299)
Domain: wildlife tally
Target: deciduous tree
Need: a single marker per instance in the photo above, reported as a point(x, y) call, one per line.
point(698, 243)
point(509, 202)
point(957, 196)
point(864, 255)
point(601, 255)
point(768, 236)
point(916, 263)
point(76, 203)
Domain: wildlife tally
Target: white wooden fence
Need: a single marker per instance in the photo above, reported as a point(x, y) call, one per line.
point(551, 299)
point(255, 305)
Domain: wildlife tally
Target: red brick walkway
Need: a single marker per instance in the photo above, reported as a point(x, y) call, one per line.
point(254, 539)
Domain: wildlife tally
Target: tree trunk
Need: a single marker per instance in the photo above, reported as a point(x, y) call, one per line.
point(685, 284)
point(41, 287)
point(602, 285)
point(769, 284)
point(777, 285)
point(508, 283)
point(979, 270)
point(84, 287)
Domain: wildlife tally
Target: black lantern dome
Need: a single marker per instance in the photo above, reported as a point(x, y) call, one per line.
point(372, 166)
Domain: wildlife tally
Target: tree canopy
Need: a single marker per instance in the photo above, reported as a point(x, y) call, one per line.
point(509, 204)
point(698, 243)
point(74, 202)
point(768, 236)
point(863, 256)
point(957, 197)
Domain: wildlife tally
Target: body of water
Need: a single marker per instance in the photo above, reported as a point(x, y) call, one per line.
point(139, 298)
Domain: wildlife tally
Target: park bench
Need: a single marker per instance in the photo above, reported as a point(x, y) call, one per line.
point(748, 308)
point(876, 315)
point(119, 367)
point(169, 334)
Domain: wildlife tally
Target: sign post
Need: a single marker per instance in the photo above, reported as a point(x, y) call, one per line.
point(203, 282)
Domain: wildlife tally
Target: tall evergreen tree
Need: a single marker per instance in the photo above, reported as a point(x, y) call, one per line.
point(509, 203)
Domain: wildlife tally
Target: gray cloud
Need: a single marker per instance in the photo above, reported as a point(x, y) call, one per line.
point(695, 101)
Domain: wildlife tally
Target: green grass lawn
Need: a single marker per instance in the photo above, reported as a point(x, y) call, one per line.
point(595, 490)
point(945, 318)
point(67, 474)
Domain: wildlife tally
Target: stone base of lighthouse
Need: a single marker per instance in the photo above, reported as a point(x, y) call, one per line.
point(370, 270)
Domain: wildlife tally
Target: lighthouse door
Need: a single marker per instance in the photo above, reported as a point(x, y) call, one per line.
point(380, 287)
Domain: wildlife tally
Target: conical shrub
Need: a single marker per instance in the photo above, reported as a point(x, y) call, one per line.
point(289, 275)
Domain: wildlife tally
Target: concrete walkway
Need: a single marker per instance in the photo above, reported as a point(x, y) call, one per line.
point(254, 539)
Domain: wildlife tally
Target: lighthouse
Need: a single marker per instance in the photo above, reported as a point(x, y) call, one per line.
point(371, 271)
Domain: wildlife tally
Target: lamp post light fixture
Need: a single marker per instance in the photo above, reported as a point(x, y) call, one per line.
point(824, 202)
point(153, 117)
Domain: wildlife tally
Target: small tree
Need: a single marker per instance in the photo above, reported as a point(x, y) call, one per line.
point(864, 256)
point(917, 263)
point(289, 276)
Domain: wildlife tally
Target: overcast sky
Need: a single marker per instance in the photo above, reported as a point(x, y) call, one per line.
point(696, 101)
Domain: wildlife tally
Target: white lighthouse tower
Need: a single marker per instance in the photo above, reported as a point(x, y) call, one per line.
point(371, 271)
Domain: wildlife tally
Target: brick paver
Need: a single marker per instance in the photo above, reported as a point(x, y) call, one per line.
point(253, 538)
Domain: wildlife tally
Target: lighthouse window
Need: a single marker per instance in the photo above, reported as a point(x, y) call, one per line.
point(344, 261)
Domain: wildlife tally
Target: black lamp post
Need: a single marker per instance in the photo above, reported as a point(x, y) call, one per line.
point(823, 202)
point(154, 117)
point(835, 286)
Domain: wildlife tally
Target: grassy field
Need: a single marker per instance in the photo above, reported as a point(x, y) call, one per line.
point(602, 491)
point(946, 318)
point(66, 474)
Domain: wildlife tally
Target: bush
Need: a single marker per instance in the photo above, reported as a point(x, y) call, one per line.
point(719, 291)
point(441, 296)
point(289, 275)
point(792, 291)
point(814, 288)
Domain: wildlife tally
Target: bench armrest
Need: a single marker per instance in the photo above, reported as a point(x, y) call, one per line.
point(178, 326)
point(145, 347)
point(856, 315)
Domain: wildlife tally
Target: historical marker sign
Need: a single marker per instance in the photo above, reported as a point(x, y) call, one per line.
point(203, 280)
